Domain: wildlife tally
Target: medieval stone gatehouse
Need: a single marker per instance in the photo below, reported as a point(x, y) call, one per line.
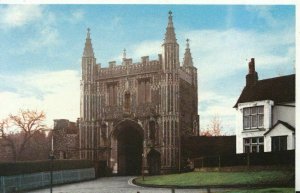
point(133, 115)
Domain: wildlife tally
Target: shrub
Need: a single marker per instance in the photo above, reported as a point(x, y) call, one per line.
point(8, 169)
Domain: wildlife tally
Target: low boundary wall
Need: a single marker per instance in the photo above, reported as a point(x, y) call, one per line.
point(42, 179)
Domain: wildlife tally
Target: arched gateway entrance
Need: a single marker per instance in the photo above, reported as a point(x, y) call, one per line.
point(129, 137)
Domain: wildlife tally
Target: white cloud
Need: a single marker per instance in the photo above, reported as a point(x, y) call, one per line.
point(56, 93)
point(48, 36)
point(45, 34)
point(264, 12)
point(78, 14)
point(213, 103)
point(42, 33)
point(75, 16)
point(19, 15)
point(227, 51)
point(147, 48)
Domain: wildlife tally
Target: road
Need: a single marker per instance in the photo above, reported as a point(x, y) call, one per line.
point(113, 185)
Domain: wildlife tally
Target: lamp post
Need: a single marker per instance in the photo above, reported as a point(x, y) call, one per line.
point(143, 166)
point(51, 157)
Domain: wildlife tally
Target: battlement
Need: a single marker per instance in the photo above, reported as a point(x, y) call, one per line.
point(129, 68)
point(112, 64)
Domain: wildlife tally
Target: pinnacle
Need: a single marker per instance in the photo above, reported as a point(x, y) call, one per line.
point(88, 48)
point(170, 36)
point(187, 60)
point(187, 43)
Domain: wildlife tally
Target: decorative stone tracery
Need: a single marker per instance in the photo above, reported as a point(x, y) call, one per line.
point(148, 94)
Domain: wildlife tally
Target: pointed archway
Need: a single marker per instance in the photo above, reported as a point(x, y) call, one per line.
point(153, 160)
point(129, 136)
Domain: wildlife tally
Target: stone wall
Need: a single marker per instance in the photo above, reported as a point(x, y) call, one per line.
point(65, 139)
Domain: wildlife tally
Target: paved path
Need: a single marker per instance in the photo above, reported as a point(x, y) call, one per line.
point(114, 185)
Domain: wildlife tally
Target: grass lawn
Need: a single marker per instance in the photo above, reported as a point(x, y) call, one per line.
point(265, 190)
point(219, 178)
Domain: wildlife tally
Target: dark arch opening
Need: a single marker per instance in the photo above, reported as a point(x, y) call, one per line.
point(153, 160)
point(130, 149)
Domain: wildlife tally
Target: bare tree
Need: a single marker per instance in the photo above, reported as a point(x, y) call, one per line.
point(213, 128)
point(39, 146)
point(17, 130)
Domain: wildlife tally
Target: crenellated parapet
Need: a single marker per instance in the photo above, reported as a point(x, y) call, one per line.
point(128, 70)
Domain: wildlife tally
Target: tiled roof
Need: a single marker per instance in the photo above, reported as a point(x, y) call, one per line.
point(279, 89)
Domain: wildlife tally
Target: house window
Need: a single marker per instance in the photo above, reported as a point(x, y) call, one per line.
point(253, 117)
point(253, 145)
point(279, 143)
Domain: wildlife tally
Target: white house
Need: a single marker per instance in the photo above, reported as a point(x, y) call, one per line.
point(265, 114)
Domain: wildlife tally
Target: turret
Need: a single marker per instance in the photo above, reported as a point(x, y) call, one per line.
point(170, 47)
point(169, 97)
point(88, 59)
point(89, 101)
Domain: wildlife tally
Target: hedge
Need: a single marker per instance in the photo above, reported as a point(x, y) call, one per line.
point(8, 169)
point(252, 159)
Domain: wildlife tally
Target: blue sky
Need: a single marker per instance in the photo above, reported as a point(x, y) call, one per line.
point(41, 48)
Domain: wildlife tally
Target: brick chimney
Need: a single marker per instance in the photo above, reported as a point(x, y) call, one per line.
point(251, 77)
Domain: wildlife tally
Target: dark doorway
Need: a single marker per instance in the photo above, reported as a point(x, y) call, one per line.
point(153, 159)
point(130, 149)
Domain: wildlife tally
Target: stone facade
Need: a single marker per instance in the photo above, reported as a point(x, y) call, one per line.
point(151, 104)
point(65, 139)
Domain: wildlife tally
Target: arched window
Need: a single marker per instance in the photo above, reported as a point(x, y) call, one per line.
point(127, 102)
point(112, 93)
point(144, 91)
point(152, 129)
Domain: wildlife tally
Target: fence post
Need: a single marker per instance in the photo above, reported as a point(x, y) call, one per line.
point(173, 190)
point(2, 183)
point(248, 160)
point(208, 190)
point(219, 162)
point(19, 186)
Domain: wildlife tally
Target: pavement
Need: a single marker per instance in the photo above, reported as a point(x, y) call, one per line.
point(117, 185)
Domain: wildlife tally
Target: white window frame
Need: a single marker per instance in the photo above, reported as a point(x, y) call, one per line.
point(253, 117)
point(254, 143)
